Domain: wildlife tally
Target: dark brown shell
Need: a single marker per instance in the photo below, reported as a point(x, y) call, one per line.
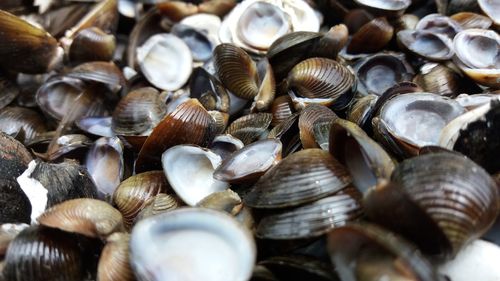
point(132, 194)
point(310, 115)
point(208, 90)
point(301, 177)
point(371, 37)
point(251, 127)
point(9, 91)
point(106, 73)
point(92, 44)
point(282, 108)
point(103, 15)
point(190, 123)
point(24, 123)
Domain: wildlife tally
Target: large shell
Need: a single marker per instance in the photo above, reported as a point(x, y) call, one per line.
point(92, 44)
point(443, 205)
point(209, 241)
point(301, 177)
point(189, 123)
point(90, 217)
point(40, 253)
point(138, 112)
point(251, 127)
point(236, 70)
point(314, 219)
point(321, 78)
point(114, 262)
point(133, 193)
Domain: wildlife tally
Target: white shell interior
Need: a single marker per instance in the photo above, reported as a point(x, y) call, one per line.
point(477, 261)
point(206, 23)
point(189, 170)
point(166, 61)
point(192, 244)
point(469, 43)
point(390, 5)
point(419, 118)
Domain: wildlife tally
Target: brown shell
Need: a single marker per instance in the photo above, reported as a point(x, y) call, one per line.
point(236, 70)
point(309, 116)
point(470, 20)
point(90, 217)
point(158, 204)
point(282, 108)
point(176, 10)
point(99, 71)
point(26, 48)
point(114, 264)
point(251, 127)
point(320, 78)
point(371, 37)
point(189, 123)
point(132, 194)
point(103, 15)
point(24, 123)
point(301, 177)
point(221, 119)
point(9, 91)
point(92, 44)
point(361, 111)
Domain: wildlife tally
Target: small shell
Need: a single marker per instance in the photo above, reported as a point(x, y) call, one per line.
point(226, 201)
point(251, 127)
point(309, 116)
point(92, 44)
point(158, 204)
point(427, 44)
point(89, 217)
point(470, 20)
point(371, 37)
point(114, 263)
point(302, 177)
point(20, 120)
point(282, 108)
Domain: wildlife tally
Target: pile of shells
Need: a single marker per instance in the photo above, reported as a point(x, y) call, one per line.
point(249, 140)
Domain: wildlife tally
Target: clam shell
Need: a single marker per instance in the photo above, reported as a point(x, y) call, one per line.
point(114, 263)
point(198, 42)
point(208, 90)
point(303, 267)
point(490, 8)
point(251, 127)
point(103, 15)
point(225, 145)
point(158, 204)
point(320, 78)
point(282, 108)
point(9, 91)
point(361, 111)
point(314, 219)
point(389, 8)
point(138, 112)
point(470, 20)
point(309, 116)
point(363, 40)
point(301, 177)
point(132, 194)
point(90, 217)
point(40, 253)
point(8, 232)
point(92, 44)
point(236, 70)
point(288, 133)
point(106, 73)
point(189, 123)
point(226, 201)
point(20, 120)
point(439, 24)
point(427, 44)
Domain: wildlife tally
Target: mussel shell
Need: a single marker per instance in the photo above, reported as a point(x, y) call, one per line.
point(321, 78)
point(133, 193)
point(23, 121)
point(190, 123)
point(301, 177)
point(92, 44)
point(16, 207)
point(314, 219)
point(14, 157)
point(89, 217)
point(138, 112)
point(236, 70)
point(309, 116)
point(363, 40)
point(40, 253)
point(114, 263)
point(427, 44)
point(251, 127)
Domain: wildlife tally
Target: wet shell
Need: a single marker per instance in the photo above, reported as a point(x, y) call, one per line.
point(251, 127)
point(133, 193)
point(158, 204)
point(282, 108)
point(106, 73)
point(309, 116)
point(208, 90)
point(320, 78)
point(301, 177)
point(9, 231)
point(236, 70)
point(92, 44)
point(315, 219)
point(40, 253)
point(371, 37)
point(190, 123)
point(226, 201)
point(9, 91)
point(22, 122)
point(114, 264)
point(389, 8)
point(90, 217)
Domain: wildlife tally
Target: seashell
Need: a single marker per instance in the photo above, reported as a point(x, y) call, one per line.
point(309, 116)
point(16, 205)
point(103, 15)
point(369, 252)
point(365, 159)
point(208, 90)
point(221, 119)
point(190, 123)
point(9, 231)
point(105, 164)
point(361, 112)
point(14, 157)
point(440, 24)
point(377, 73)
point(20, 120)
point(390, 9)
point(89, 217)
point(226, 201)
point(106, 73)
point(158, 204)
point(208, 24)
point(97, 126)
point(427, 44)
point(225, 145)
point(282, 108)
point(450, 203)
point(40, 253)
point(490, 8)
point(211, 242)
point(470, 20)
point(114, 263)
point(216, 7)
point(189, 170)
point(313, 219)
point(356, 18)
point(300, 178)
point(166, 61)
point(138, 112)
point(363, 42)
point(9, 91)
point(26, 48)
point(251, 127)
point(237, 168)
point(176, 10)
point(132, 194)
point(200, 45)
point(406, 21)
point(288, 133)
point(72, 146)
point(267, 88)
point(471, 102)
point(322, 133)
point(92, 44)
point(236, 70)
point(320, 78)
point(287, 267)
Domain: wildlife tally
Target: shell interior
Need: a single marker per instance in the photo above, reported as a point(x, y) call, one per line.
point(470, 42)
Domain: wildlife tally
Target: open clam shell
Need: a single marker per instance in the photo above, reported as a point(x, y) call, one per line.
point(189, 170)
point(439, 24)
point(314, 219)
point(301, 177)
point(490, 8)
point(216, 247)
point(427, 44)
point(389, 8)
point(208, 90)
